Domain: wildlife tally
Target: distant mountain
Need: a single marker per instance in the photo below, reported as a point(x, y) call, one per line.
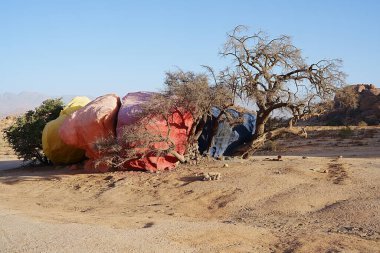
point(16, 104)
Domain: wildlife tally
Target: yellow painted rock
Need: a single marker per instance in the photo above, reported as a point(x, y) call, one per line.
point(54, 148)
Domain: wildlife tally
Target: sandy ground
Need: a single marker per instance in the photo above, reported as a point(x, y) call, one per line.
point(8, 159)
point(311, 201)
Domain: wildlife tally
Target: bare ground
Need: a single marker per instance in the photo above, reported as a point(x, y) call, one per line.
point(311, 201)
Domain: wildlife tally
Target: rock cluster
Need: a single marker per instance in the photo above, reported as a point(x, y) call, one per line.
point(356, 104)
point(369, 103)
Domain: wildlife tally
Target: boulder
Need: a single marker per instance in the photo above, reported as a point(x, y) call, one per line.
point(369, 98)
point(95, 121)
point(367, 107)
point(54, 148)
point(180, 123)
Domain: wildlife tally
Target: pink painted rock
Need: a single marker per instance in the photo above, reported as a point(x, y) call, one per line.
point(180, 124)
point(130, 105)
point(85, 127)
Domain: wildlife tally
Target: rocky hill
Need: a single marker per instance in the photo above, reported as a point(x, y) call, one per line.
point(353, 105)
point(369, 103)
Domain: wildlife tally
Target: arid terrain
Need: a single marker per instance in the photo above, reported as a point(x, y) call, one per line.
point(8, 159)
point(323, 195)
point(6, 152)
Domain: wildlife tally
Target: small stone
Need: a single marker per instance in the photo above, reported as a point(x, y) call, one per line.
point(340, 156)
point(304, 157)
point(206, 177)
point(214, 175)
point(211, 176)
point(225, 165)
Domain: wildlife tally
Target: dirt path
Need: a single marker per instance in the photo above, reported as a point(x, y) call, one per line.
point(10, 164)
point(23, 234)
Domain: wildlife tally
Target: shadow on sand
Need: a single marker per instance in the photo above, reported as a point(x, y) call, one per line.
point(13, 172)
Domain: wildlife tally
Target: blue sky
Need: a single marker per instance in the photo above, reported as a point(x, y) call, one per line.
point(94, 47)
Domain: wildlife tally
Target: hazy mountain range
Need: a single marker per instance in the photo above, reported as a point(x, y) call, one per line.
point(16, 104)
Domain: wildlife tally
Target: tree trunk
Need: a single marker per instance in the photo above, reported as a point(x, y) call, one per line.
point(195, 133)
point(260, 130)
point(40, 157)
point(261, 120)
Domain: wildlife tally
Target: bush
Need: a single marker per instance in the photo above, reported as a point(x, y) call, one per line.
point(372, 120)
point(362, 123)
point(25, 135)
point(270, 145)
point(346, 132)
point(336, 121)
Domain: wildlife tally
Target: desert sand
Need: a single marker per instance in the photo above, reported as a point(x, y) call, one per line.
point(322, 196)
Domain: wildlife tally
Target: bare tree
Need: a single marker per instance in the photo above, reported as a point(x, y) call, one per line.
point(273, 74)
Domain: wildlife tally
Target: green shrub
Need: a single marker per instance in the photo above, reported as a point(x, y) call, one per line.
point(362, 123)
point(25, 135)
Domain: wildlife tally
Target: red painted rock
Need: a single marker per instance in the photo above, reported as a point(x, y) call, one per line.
point(91, 123)
point(180, 123)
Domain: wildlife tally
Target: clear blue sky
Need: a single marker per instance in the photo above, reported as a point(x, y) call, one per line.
point(94, 47)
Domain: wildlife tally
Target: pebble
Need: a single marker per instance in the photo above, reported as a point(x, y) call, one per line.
point(211, 176)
